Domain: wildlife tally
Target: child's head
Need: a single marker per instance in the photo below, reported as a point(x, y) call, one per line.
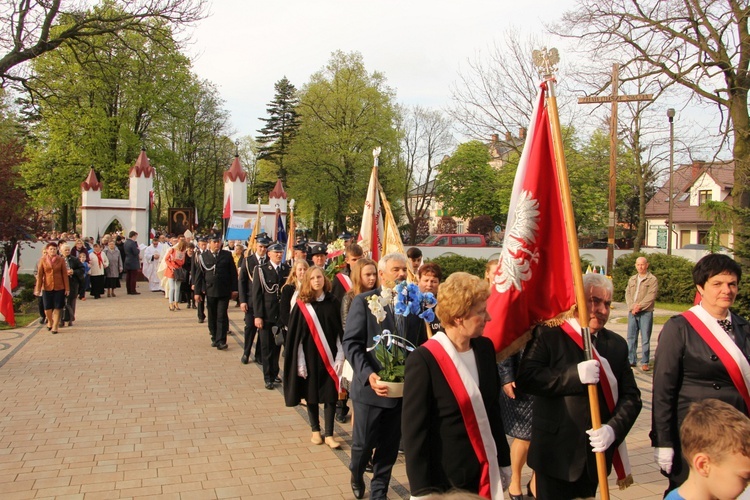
point(715, 439)
point(82, 257)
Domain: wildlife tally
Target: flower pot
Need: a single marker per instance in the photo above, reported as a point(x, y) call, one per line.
point(395, 389)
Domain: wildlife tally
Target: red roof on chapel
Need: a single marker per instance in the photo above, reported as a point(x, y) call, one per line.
point(235, 171)
point(142, 166)
point(91, 183)
point(278, 191)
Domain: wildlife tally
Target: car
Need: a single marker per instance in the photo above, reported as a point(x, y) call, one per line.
point(454, 240)
point(599, 244)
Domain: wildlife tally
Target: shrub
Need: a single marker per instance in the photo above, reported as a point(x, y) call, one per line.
point(674, 274)
point(453, 263)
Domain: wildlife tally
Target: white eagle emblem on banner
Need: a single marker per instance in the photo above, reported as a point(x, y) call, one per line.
point(519, 249)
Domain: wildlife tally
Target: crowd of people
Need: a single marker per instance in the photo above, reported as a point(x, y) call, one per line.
point(458, 404)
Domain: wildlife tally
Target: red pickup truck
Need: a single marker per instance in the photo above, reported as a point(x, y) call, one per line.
point(454, 240)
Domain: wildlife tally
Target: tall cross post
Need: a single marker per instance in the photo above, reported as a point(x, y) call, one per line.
point(614, 98)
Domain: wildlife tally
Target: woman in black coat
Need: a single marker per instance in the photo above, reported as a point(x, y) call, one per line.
point(688, 369)
point(314, 358)
point(76, 277)
point(443, 449)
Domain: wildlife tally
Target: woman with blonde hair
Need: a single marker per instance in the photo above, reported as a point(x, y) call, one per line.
point(364, 276)
point(448, 378)
point(174, 259)
point(52, 285)
point(290, 290)
point(314, 357)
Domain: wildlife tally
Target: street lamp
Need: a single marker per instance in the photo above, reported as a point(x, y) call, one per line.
point(670, 115)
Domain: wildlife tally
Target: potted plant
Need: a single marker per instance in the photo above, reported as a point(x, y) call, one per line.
point(391, 348)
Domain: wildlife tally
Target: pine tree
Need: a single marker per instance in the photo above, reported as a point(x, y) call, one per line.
point(281, 125)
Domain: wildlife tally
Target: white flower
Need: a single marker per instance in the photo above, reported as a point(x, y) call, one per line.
point(376, 308)
point(386, 296)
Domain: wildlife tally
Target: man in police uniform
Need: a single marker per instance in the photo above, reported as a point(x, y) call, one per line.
point(267, 281)
point(255, 259)
point(319, 254)
point(217, 277)
point(300, 253)
point(199, 305)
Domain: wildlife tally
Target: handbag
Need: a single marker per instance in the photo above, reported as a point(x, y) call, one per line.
point(180, 274)
point(278, 335)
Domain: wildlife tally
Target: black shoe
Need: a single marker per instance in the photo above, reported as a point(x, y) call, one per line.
point(42, 321)
point(340, 418)
point(201, 320)
point(368, 467)
point(244, 360)
point(269, 386)
point(222, 346)
point(277, 380)
point(258, 361)
point(358, 487)
point(213, 343)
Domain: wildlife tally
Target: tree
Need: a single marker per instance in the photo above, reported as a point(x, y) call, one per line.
point(345, 112)
point(466, 184)
point(446, 225)
point(281, 126)
point(703, 47)
point(482, 224)
point(31, 28)
point(425, 139)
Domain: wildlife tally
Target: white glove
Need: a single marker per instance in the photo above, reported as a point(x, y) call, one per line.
point(338, 367)
point(601, 438)
point(663, 458)
point(302, 371)
point(588, 371)
point(505, 473)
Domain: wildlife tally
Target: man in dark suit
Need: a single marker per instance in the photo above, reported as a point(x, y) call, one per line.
point(555, 372)
point(247, 268)
point(216, 276)
point(267, 281)
point(377, 424)
point(200, 306)
point(132, 263)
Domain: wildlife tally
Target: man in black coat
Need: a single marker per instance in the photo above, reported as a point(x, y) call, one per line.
point(132, 263)
point(247, 268)
point(268, 279)
point(555, 372)
point(200, 306)
point(377, 424)
point(216, 276)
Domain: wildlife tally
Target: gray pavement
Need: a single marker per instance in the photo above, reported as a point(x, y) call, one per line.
point(133, 402)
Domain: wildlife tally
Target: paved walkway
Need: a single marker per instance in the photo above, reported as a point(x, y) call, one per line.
point(133, 402)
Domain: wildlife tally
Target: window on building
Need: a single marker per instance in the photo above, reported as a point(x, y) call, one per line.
point(703, 237)
point(704, 195)
point(460, 227)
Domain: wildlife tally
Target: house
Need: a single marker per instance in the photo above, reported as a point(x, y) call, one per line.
point(692, 185)
point(500, 151)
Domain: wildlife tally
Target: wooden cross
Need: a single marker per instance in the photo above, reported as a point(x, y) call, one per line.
point(614, 99)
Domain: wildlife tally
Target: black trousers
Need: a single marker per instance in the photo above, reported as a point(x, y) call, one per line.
point(250, 335)
point(70, 302)
point(313, 413)
point(201, 306)
point(218, 318)
point(379, 429)
point(552, 488)
point(131, 278)
point(270, 353)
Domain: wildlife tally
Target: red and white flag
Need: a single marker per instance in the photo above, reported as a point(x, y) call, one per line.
point(13, 270)
point(228, 207)
point(533, 281)
point(6, 299)
point(371, 232)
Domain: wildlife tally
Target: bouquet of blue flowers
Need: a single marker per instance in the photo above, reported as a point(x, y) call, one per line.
point(391, 348)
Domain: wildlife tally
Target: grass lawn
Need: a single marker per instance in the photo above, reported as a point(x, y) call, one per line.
point(22, 319)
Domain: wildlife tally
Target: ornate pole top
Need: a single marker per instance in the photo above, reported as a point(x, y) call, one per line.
point(375, 155)
point(546, 61)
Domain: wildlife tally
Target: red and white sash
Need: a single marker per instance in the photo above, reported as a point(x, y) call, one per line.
point(608, 382)
point(471, 404)
point(721, 344)
point(316, 331)
point(345, 281)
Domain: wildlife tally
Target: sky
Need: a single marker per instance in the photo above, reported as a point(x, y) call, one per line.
point(245, 46)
